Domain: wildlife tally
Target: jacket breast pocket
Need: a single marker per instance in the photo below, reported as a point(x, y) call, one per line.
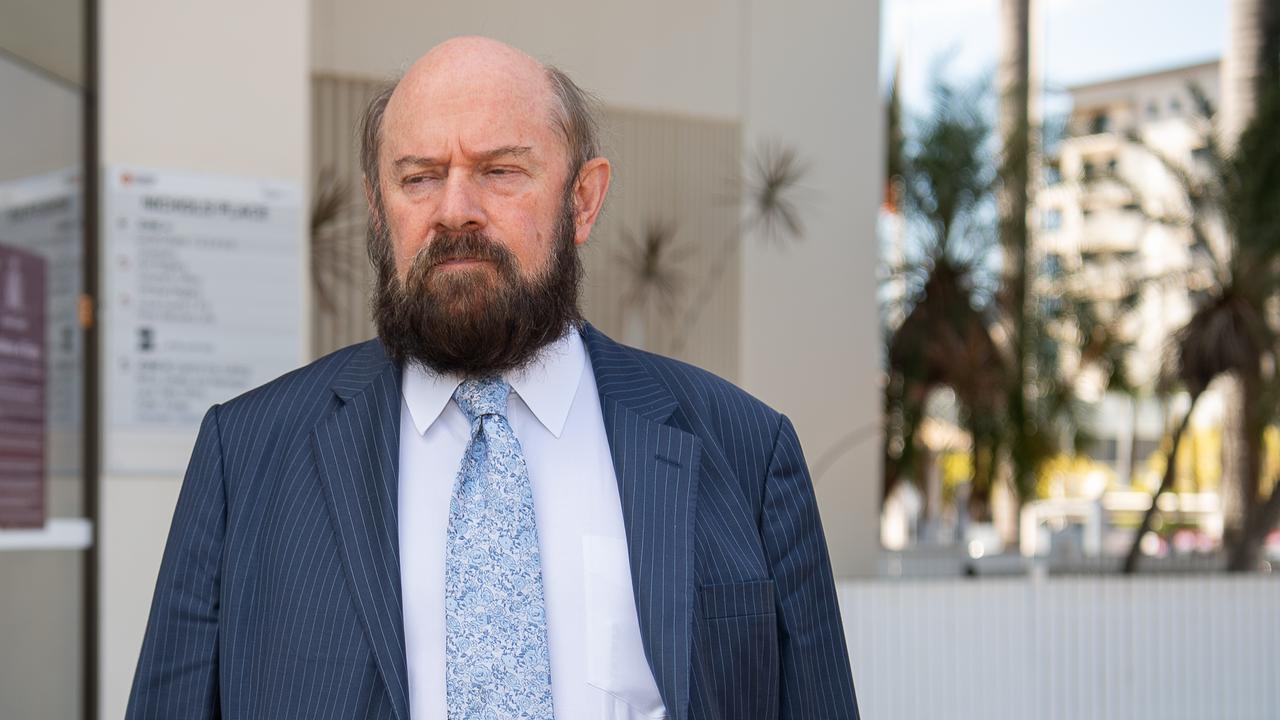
point(728, 600)
point(736, 662)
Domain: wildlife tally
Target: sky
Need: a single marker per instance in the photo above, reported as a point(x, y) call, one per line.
point(1083, 40)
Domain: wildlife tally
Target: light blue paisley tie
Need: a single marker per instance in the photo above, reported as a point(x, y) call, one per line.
point(497, 665)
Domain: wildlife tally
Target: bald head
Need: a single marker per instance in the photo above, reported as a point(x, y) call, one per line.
point(471, 75)
point(474, 59)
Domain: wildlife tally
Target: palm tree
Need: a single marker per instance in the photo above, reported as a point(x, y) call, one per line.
point(946, 182)
point(1252, 210)
point(1229, 333)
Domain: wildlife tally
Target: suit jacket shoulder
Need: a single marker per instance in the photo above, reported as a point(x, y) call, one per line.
point(740, 429)
point(260, 425)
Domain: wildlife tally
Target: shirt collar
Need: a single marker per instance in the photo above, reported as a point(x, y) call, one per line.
point(547, 385)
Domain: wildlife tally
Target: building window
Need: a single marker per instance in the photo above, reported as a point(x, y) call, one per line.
point(1052, 266)
point(1052, 175)
point(1175, 106)
point(1143, 450)
point(1153, 110)
point(1100, 124)
point(1052, 220)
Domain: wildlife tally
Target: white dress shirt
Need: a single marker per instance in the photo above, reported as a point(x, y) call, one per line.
point(598, 667)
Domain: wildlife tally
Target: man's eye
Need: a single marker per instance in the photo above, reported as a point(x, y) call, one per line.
point(499, 172)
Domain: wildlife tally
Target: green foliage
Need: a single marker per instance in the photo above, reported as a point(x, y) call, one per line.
point(949, 177)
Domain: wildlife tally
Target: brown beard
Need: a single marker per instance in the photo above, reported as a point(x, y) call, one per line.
point(475, 321)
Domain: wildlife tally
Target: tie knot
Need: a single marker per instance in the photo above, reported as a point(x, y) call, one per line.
point(487, 396)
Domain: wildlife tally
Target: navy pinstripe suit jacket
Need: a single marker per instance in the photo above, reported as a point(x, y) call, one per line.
point(279, 593)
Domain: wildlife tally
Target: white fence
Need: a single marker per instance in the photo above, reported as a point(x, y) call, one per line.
point(1204, 647)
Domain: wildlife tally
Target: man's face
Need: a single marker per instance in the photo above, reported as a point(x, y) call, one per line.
point(458, 156)
point(477, 216)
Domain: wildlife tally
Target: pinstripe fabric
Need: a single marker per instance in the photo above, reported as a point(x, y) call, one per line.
point(279, 592)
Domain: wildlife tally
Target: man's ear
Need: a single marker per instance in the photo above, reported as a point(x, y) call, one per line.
point(588, 196)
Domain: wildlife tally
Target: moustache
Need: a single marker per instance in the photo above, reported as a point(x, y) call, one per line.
point(467, 245)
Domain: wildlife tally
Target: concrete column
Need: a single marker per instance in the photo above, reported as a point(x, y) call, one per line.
point(810, 341)
point(196, 87)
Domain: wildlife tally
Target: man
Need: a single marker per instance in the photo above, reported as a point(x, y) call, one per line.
point(493, 510)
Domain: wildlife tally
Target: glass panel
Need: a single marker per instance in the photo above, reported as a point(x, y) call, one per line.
point(41, 353)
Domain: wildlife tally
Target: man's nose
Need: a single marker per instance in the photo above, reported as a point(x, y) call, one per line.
point(460, 207)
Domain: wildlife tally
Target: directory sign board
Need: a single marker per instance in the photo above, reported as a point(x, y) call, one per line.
point(201, 301)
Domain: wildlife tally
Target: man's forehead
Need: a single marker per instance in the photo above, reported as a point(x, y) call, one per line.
point(473, 127)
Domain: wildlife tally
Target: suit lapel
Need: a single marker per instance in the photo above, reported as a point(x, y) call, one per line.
point(657, 468)
point(357, 452)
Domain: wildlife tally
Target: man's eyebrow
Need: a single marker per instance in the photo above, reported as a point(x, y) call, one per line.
point(405, 161)
point(514, 151)
point(506, 151)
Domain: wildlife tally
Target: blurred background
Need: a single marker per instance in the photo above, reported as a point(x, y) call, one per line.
point(1011, 267)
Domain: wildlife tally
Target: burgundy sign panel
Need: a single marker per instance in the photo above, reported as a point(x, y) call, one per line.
point(22, 388)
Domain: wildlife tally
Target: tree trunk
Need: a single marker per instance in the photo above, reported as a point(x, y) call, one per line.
point(1014, 80)
point(1242, 457)
point(1166, 483)
point(1250, 529)
point(1247, 554)
point(1231, 490)
point(979, 504)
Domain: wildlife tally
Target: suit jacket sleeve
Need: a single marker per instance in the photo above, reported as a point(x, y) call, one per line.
point(177, 673)
point(816, 681)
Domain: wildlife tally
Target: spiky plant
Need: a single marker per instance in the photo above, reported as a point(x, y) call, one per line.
point(772, 184)
point(774, 178)
point(335, 227)
point(653, 260)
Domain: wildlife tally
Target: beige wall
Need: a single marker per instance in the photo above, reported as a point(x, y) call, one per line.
point(677, 55)
point(811, 341)
point(802, 74)
point(198, 87)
